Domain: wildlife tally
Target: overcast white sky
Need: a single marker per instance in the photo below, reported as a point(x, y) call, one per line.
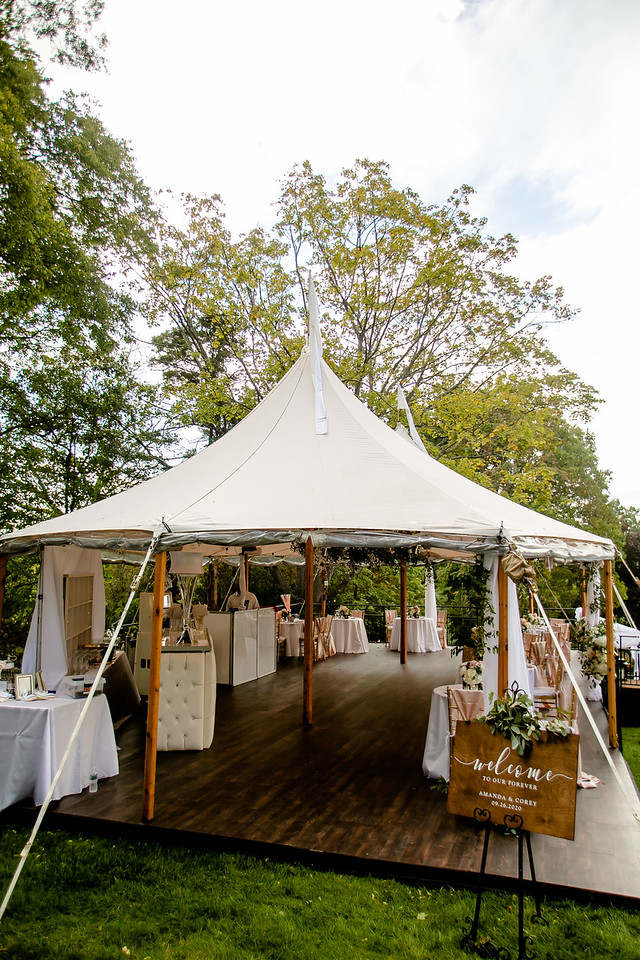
point(532, 102)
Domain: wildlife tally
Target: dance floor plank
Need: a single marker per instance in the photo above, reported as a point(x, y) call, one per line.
point(350, 789)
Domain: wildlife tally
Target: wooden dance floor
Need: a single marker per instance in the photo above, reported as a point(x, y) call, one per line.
point(349, 791)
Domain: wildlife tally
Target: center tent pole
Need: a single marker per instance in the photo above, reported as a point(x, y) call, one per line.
point(151, 747)
point(403, 611)
point(307, 680)
point(612, 709)
point(503, 631)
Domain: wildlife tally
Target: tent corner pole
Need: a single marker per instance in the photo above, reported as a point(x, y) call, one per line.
point(612, 708)
point(307, 680)
point(3, 579)
point(403, 611)
point(151, 746)
point(503, 631)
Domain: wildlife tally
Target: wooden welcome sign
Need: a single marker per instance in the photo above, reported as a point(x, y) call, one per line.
point(487, 775)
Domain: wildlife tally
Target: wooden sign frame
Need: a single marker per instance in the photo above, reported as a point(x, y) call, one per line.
point(535, 793)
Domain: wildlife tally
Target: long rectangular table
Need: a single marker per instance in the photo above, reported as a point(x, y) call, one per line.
point(33, 738)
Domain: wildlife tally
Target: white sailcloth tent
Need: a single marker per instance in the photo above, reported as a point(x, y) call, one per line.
point(273, 478)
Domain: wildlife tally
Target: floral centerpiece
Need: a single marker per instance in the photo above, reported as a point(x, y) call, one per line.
point(286, 599)
point(591, 643)
point(471, 674)
point(413, 612)
point(532, 623)
point(342, 613)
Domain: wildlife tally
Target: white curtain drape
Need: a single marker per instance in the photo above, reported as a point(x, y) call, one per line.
point(517, 665)
point(430, 605)
point(56, 563)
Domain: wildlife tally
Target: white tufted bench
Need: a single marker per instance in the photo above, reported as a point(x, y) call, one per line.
point(186, 713)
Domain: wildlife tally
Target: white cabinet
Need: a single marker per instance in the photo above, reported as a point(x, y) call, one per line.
point(245, 644)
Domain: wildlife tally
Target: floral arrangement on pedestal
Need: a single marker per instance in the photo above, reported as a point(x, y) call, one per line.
point(471, 674)
point(342, 613)
point(413, 612)
point(591, 643)
point(532, 622)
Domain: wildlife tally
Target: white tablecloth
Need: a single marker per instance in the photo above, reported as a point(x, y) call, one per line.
point(422, 635)
point(33, 738)
point(437, 748)
point(350, 635)
point(292, 630)
point(435, 762)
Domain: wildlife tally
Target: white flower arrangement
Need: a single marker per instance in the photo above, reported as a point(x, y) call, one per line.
point(413, 612)
point(592, 646)
point(532, 622)
point(342, 613)
point(471, 674)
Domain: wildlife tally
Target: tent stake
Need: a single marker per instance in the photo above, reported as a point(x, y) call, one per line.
point(307, 681)
point(151, 747)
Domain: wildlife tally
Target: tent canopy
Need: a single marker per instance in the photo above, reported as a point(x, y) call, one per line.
point(273, 478)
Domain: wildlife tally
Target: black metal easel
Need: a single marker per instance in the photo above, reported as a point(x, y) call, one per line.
point(486, 948)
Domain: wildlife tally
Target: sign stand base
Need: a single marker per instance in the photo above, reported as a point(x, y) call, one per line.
point(486, 947)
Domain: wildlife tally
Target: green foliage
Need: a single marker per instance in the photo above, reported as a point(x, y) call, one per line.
point(96, 898)
point(462, 590)
point(227, 308)
point(514, 717)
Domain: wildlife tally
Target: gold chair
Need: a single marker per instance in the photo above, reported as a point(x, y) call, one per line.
point(442, 627)
point(389, 617)
point(463, 705)
point(358, 613)
point(323, 645)
point(548, 698)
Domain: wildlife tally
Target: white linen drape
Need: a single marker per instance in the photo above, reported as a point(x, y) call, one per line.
point(56, 563)
point(517, 665)
point(430, 605)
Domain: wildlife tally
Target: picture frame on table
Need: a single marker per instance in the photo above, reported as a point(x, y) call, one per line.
point(39, 686)
point(23, 685)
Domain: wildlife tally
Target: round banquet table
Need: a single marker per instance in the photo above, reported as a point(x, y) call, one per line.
point(422, 635)
point(435, 761)
point(292, 631)
point(349, 635)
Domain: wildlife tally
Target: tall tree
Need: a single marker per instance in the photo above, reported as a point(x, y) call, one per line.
point(228, 311)
point(418, 296)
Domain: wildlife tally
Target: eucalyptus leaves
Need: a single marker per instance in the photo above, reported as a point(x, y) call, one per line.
point(515, 718)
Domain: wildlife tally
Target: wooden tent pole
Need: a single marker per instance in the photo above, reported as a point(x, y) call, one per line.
point(246, 570)
point(532, 603)
point(611, 654)
point(403, 611)
point(307, 681)
point(3, 579)
point(151, 747)
point(503, 631)
point(213, 586)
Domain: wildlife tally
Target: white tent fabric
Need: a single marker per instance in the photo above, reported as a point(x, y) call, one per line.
point(58, 562)
point(517, 665)
point(360, 483)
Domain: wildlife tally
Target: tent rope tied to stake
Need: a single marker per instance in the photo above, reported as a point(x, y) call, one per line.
point(24, 853)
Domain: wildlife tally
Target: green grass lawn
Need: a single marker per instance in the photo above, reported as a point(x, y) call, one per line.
point(631, 751)
point(81, 898)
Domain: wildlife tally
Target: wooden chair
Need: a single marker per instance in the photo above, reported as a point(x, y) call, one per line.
point(548, 698)
point(358, 613)
point(389, 617)
point(442, 627)
point(463, 705)
point(528, 639)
